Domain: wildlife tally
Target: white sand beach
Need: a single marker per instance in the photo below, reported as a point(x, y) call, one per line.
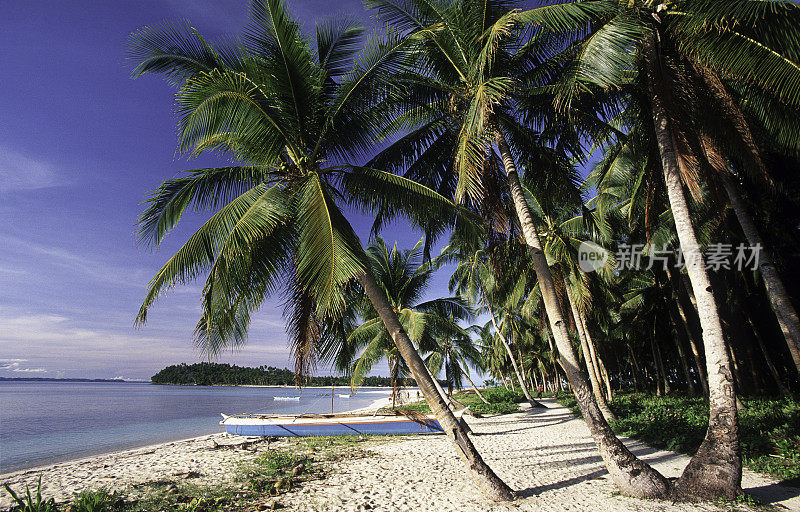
point(547, 456)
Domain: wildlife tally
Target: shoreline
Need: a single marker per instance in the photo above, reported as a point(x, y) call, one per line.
point(122, 453)
point(547, 456)
point(375, 405)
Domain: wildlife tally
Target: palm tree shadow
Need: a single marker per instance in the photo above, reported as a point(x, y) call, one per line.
point(535, 491)
point(558, 419)
point(773, 493)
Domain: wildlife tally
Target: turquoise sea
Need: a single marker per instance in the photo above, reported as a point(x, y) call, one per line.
point(46, 422)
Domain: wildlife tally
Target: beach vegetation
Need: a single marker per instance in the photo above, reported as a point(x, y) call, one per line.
point(31, 502)
point(432, 324)
point(770, 428)
point(498, 401)
point(99, 500)
point(273, 472)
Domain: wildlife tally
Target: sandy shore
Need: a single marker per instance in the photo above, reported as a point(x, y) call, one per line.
point(547, 456)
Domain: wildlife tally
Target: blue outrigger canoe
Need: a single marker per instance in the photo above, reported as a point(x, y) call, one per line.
point(330, 424)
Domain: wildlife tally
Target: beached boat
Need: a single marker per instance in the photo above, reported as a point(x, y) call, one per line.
point(331, 424)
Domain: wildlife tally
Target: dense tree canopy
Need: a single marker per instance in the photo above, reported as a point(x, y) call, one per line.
point(671, 268)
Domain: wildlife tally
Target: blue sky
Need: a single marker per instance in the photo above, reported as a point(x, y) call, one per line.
point(81, 144)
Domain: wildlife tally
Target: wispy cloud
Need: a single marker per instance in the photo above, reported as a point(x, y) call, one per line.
point(22, 172)
point(29, 370)
point(13, 365)
point(61, 344)
point(88, 266)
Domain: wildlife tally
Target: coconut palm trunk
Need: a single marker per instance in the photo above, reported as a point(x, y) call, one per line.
point(556, 376)
point(600, 367)
point(779, 300)
point(765, 354)
point(681, 334)
point(778, 297)
point(603, 370)
point(690, 384)
point(594, 374)
point(632, 476)
point(474, 388)
point(634, 367)
point(693, 344)
point(662, 384)
point(487, 480)
point(517, 371)
point(716, 469)
point(439, 389)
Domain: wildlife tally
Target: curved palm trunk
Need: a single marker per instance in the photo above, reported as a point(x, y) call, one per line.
point(600, 367)
point(448, 377)
point(503, 340)
point(779, 300)
point(634, 367)
point(487, 480)
point(693, 345)
point(778, 297)
point(603, 371)
point(716, 469)
point(632, 476)
point(556, 376)
point(594, 374)
point(474, 388)
point(451, 403)
point(393, 373)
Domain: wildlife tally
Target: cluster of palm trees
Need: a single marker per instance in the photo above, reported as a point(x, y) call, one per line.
point(481, 113)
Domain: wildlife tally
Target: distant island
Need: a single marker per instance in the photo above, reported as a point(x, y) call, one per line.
point(219, 374)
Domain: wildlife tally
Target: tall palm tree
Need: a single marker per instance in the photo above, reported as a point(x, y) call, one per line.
point(291, 116)
point(474, 68)
point(659, 49)
point(563, 233)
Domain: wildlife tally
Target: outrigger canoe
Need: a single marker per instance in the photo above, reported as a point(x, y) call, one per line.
point(331, 424)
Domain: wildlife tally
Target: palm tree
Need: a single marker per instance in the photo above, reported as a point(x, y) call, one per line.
point(476, 281)
point(454, 352)
point(404, 277)
point(477, 84)
point(290, 115)
point(563, 233)
point(657, 48)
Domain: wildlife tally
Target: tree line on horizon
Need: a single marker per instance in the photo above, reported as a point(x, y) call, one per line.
point(217, 374)
point(471, 120)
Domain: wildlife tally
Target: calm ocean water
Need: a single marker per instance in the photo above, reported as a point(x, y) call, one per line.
point(47, 422)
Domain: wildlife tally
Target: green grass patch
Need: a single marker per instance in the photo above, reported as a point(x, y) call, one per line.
point(769, 428)
point(272, 472)
point(501, 401)
point(100, 500)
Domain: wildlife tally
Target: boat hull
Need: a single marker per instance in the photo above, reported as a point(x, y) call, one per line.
point(301, 427)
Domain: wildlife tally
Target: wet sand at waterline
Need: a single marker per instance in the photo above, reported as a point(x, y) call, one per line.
point(545, 455)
